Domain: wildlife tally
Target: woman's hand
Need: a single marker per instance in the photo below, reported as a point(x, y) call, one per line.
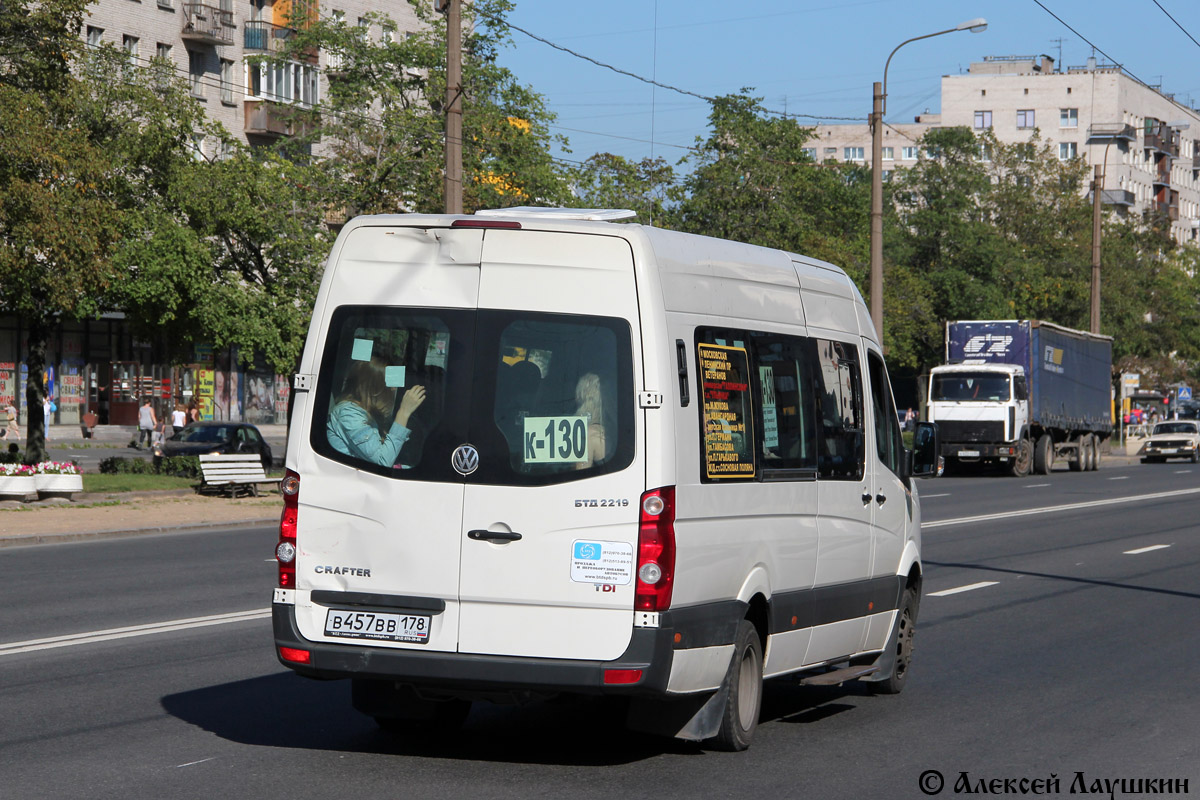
point(409, 403)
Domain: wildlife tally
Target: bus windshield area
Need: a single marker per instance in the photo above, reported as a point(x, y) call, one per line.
point(970, 387)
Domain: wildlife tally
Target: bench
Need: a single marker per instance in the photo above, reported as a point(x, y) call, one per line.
point(237, 472)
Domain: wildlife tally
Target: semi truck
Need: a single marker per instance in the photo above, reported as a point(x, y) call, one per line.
point(1022, 394)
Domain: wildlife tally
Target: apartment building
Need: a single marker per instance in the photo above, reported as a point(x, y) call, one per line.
point(1147, 142)
point(210, 43)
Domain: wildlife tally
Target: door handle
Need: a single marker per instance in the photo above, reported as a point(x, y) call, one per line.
point(493, 536)
point(880, 499)
point(866, 498)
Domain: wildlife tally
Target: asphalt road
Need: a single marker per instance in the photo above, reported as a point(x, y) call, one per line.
point(1073, 656)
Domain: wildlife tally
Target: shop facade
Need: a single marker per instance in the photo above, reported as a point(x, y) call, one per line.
point(99, 367)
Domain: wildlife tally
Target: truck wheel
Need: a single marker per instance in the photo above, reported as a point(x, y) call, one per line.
point(744, 682)
point(1023, 461)
point(1043, 455)
point(1093, 453)
point(1078, 458)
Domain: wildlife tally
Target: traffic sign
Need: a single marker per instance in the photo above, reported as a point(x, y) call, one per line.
point(1183, 393)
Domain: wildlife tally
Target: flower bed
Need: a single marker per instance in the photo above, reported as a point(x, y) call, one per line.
point(58, 479)
point(17, 481)
point(47, 479)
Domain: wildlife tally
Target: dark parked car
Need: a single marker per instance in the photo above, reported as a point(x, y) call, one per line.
point(203, 438)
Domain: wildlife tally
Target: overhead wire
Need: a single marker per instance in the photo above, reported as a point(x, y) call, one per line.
point(1185, 30)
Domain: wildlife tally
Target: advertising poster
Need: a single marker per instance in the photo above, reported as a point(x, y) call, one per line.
point(206, 385)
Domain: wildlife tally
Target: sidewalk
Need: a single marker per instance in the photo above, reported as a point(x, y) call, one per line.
point(131, 514)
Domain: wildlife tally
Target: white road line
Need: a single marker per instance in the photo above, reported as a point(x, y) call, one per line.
point(11, 648)
point(1112, 501)
point(1141, 550)
point(967, 588)
point(927, 496)
point(1037, 485)
point(1182, 471)
point(1120, 478)
point(194, 763)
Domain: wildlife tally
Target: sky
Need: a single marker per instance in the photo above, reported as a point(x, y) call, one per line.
point(810, 57)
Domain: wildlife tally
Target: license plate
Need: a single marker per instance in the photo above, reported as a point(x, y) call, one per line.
point(378, 626)
point(968, 454)
point(1169, 450)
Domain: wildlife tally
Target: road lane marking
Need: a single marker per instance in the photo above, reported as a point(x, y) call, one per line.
point(1120, 478)
point(1037, 485)
point(927, 496)
point(70, 640)
point(1141, 550)
point(194, 763)
point(1112, 501)
point(1182, 471)
point(967, 588)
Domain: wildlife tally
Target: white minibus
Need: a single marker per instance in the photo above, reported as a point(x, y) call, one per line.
point(536, 452)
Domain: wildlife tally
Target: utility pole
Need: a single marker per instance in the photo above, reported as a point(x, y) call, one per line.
point(1097, 191)
point(453, 181)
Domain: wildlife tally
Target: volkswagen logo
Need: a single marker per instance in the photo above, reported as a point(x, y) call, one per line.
point(465, 459)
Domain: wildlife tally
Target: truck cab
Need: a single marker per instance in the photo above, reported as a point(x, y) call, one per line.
point(982, 411)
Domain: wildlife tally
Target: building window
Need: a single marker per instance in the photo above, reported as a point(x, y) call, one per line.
point(130, 45)
point(1068, 117)
point(1066, 151)
point(226, 82)
point(889, 154)
point(811, 152)
point(983, 120)
point(909, 153)
point(162, 51)
point(853, 154)
point(831, 152)
point(1024, 118)
point(985, 153)
point(196, 73)
point(94, 36)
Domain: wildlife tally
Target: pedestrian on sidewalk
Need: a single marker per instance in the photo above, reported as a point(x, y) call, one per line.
point(12, 430)
point(48, 408)
point(147, 422)
point(179, 417)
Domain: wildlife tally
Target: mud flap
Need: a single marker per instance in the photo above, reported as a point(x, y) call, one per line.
point(694, 717)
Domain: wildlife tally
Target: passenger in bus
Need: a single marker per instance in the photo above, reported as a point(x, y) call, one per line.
point(590, 403)
point(361, 423)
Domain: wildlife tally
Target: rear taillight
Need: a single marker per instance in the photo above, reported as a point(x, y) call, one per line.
point(285, 551)
point(656, 550)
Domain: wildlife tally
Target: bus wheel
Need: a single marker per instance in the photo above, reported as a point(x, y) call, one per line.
point(744, 682)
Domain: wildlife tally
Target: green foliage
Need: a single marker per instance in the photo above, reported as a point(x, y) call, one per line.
point(752, 182)
point(177, 466)
point(611, 181)
point(381, 120)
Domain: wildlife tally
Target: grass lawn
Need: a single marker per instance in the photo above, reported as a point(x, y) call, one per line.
point(127, 482)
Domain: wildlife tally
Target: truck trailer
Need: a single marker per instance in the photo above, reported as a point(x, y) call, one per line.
point(1022, 393)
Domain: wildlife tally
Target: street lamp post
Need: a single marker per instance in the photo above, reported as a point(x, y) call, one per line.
point(878, 108)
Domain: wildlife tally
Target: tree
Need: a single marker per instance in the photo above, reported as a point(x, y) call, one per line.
point(59, 222)
point(377, 136)
point(753, 182)
point(611, 181)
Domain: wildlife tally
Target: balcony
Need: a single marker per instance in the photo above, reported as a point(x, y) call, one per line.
point(265, 118)
point(1166, 210)
point(265, 36)
point(1115, 197)
point(1163, 139)
point(207, 24)
point(1102, 131)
